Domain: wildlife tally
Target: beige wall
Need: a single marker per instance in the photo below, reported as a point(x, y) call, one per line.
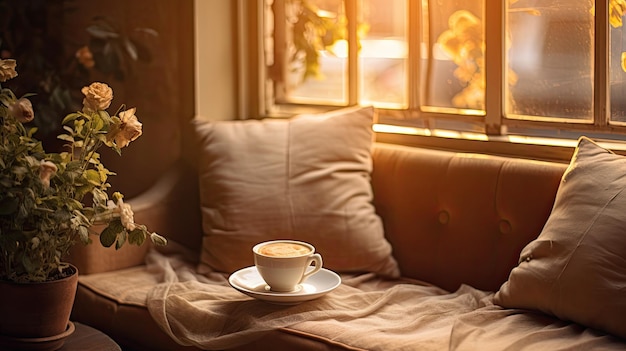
point(215, 59)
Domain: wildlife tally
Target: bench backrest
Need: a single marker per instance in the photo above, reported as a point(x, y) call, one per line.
point(458, 218)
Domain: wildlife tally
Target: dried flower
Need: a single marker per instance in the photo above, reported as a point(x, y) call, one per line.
point(85, 57)
point(127, 129)
point(46, 170)
point(22, 110)
point(7, 70)
point(98, 96)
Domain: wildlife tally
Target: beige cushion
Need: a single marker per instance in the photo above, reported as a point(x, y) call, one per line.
point(305, 178)
point(576, 268)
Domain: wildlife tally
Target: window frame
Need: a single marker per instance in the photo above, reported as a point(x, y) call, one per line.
point(489, 133)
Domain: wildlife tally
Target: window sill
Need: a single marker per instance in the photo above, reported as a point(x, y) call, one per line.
point(413, 133)
point(536, 148)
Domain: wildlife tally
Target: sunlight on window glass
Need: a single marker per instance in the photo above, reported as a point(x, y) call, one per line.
point(454, 71)
point(383, 53)
point(550, 58)
point(617, 69)
point(315, 72)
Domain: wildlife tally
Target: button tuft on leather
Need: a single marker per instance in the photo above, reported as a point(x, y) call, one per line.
point(444, 217)
point(505, 226)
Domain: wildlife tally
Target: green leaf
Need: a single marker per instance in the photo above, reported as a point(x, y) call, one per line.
point(137, 236)
point(32, 161)
point(109, 235)
point(97, 123)
point(19, 171)
point(99, 197)
point(71, 204)
point(81, 191)
point(73, 166)
point(93, 177)
point(32, 131)
point(121, 239)
point(65, 137)
point(70, 117)
point(105, 117)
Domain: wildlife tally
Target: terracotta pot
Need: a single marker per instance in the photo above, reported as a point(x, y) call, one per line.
point(38, 311)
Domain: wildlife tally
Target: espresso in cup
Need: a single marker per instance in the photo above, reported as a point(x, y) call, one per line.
point(284, 264)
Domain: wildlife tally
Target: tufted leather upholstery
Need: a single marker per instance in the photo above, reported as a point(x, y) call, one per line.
point(456, 218)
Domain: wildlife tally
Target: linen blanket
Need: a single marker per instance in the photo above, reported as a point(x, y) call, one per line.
point(364, 312)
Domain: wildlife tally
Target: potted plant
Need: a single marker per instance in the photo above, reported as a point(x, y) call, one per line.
point(51, 201)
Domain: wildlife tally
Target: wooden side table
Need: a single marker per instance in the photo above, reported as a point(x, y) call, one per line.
point(88, 338)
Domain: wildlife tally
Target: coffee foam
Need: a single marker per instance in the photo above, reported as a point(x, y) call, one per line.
point(284, 250)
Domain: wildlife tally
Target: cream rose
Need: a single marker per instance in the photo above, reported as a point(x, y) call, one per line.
point(22, 110)
point(98, 96)
point(46, 170)
point(126, 215)
point(126, 130)
point(7, 70)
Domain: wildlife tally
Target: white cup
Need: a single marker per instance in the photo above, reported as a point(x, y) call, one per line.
point(283, 264)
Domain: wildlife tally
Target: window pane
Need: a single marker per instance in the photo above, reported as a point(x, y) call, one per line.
point(383, 53)
point(617, 68)
point(550, 58)
point(454, 76)
point(315, 65)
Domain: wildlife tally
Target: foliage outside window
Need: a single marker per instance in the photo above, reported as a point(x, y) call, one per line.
point(427, 63)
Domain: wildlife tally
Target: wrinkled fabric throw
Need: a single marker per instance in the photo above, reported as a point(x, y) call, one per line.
point(364, 312)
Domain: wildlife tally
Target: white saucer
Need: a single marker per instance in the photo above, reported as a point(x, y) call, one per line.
point(249, 281)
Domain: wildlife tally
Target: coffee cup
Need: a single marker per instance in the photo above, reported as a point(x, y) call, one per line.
point(284, 264)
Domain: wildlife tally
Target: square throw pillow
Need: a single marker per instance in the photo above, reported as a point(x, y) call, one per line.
point(304, 178)
point(576, 268)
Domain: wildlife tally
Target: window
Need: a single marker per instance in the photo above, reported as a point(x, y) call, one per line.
point(543, 68)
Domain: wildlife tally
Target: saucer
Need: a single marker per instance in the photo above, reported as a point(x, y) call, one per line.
point(249, 281)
